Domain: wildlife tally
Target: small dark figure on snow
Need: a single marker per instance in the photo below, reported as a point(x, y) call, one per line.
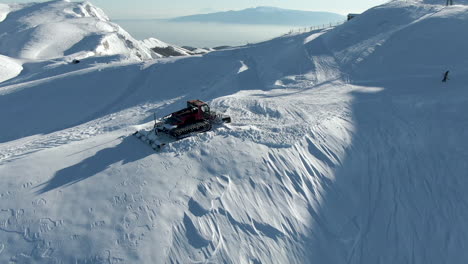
point(446, 78)
point(75, 61)
point(449, 2)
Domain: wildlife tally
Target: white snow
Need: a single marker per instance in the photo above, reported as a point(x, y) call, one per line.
point(4, 10)
point(53, 29)
point(345, 147)
point(9, 68)
point(243, 67)
point(152, 43)
point(156, 43)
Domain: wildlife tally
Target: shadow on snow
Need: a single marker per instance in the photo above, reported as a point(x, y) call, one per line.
point(126, 152)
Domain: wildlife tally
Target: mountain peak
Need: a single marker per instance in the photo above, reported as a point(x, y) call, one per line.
point(61, 28)
point(267, 8)
point(262, 15)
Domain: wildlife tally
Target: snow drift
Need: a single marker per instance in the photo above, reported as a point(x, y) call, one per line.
point(345, 147)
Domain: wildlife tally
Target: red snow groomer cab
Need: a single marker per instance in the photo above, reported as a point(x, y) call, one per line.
point(196, 117)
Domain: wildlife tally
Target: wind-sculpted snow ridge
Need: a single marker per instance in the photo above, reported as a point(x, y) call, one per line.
point(57, 28)
point(345, 147)
point(45, 36)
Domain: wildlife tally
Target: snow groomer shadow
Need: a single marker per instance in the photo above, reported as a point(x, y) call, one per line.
point(125, 152)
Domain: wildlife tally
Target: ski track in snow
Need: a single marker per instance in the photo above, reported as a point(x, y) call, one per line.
point(108, 124)
point(258, 112)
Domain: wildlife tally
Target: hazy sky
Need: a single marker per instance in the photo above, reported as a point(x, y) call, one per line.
point(163, 8)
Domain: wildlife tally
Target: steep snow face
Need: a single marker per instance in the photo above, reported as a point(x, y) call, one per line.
point(57, 28)
point(327, 160)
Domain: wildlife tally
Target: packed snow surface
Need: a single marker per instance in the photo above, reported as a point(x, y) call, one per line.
point(345, 147)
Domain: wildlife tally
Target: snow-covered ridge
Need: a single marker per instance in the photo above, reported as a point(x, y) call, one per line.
point(62, 31)
point(376, 38)
point(169, 50)
point(437, 2)
point(60, 28)
point(74, 29)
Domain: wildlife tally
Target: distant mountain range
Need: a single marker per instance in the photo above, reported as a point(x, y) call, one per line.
point(265, 16)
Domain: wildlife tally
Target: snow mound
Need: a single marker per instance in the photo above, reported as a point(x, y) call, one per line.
point(9, 68)
point(53, 29)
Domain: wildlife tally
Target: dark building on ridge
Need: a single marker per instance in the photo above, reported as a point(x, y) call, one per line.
point(351, 16)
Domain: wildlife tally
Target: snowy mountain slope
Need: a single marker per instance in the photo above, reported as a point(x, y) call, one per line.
point(254, 134)
point(375, 38)
point(41, 36)
point(49, 30)
point(328, 159)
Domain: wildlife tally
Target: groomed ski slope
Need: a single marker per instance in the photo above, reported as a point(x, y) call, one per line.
point(345, 147)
